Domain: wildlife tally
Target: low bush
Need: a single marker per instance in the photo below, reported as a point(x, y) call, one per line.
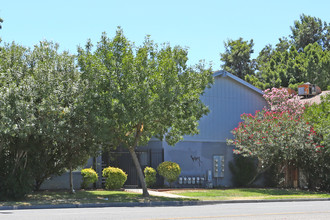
point(150, 176)
point(89, 176)
point(169, 170)
point(115, 177)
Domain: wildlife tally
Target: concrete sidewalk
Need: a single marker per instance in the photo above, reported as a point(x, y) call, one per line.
point(156, 193)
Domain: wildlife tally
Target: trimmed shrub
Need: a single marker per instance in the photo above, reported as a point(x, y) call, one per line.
point(115, 177)
point(169, 170)
point(150, 176)
point(89, 176)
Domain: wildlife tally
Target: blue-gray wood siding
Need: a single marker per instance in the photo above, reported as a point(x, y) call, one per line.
point(227, 100)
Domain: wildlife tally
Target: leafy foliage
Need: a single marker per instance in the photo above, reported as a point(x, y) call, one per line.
point(139, 92)
point(115, 177)
point(309, 30)
point(289, 68)
point(150, 175)
point(305, 57)
point(319, 116)
point(89, 176)
point(280, 136)
point(169, 170)
point(43, 128)
point(236, 58)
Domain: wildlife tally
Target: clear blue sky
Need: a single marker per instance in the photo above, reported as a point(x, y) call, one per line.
point(202, 25)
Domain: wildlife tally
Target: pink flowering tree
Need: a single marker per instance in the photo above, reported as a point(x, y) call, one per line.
point(272, 137)
point(278, 134)
point(279, 100)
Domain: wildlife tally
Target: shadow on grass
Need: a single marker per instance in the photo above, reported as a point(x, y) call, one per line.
point(83, 197)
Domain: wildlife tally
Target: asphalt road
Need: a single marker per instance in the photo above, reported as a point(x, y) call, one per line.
point(269, 210)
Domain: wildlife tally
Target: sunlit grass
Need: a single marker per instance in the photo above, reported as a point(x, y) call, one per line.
point(250, 193)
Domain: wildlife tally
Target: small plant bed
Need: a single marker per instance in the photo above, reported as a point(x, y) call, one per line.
point(84, 197)
point(249, 194)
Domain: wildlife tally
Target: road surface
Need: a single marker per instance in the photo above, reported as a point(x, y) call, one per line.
point(269, 210)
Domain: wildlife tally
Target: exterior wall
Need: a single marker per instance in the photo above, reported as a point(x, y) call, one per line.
point(227, 100)
point(196, 158)
point(62, 182)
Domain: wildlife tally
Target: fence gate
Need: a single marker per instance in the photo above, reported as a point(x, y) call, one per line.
point(123, 160)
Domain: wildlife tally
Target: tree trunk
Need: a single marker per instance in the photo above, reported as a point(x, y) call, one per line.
point(258, 174)
point(71, 181)
point(95, 168)
point(38, 184)
point(139, 172)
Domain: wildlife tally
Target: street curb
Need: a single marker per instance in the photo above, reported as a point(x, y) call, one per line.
point(152, 204)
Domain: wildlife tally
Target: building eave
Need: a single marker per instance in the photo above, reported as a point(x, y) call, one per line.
point(223, 73)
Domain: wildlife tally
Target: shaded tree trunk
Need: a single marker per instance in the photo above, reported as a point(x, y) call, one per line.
point(37, 185)
point(71, 181)
point(259, 172)
point(139, 171)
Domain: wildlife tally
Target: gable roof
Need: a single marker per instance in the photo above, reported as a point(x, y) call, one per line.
point(223, 73)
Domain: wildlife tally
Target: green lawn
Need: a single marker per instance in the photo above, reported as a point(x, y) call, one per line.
point(103, 196)
point(250, 193)
point(81, 197)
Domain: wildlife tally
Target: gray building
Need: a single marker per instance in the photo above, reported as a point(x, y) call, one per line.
point(207, 155)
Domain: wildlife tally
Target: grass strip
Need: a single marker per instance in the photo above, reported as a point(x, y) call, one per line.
point(85, 197)
point(250, 193)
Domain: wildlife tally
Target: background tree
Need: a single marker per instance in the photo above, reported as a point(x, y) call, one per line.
point(142, 92)
point(319, 116)
point(304, 58)
point(0, 28)
point(309, 30)
point(236, 57)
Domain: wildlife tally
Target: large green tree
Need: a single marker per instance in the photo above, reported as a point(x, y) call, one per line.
point(318, 115)
point(43, 130)
point(139, 92)
point(309, 30)
point(289, 68)
point(237, 57)
point(303, 58)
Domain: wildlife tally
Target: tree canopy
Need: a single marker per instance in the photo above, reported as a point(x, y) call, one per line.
point(140, 92)
point(237, 58)
point(43, 128)
point(309, 30)
point(319, 116)
point(302, 57)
